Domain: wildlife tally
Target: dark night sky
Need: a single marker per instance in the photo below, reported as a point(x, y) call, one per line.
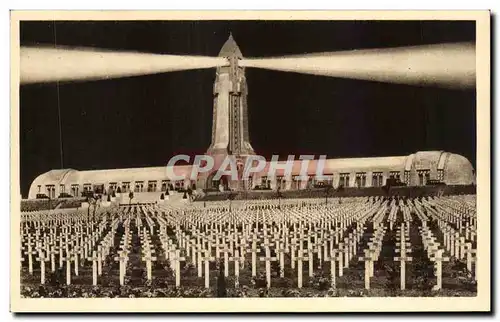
point(145, 120)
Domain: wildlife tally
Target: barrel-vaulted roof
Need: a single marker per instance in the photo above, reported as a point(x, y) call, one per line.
point(47, 178)
point(347, 165)
point(70, 176)
point(458, 170)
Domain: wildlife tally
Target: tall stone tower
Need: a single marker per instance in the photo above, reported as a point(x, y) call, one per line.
point(230, 118)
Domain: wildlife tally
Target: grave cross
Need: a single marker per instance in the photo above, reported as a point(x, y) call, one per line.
point(403, 258)
point(42, 259)
point(148, 258)
point(340, 257)
point(99, 259)
point(76, 251)
point(346, 252)
point(300, 257)
point(94, 258)
point(471, 259)
point(268, 259)
point(236, 259)
point(122, 258)
point(281, 251)
point(438, 258)
point(52, 253)
point(254, 252)
point(199, 252)
point(353, 244)
point(462, 245)
point(332, 259)
point(68, 260)
point(207, 259)
point(241, 245)
point(30, 252)
point(456, 239)
point(368, 260)
point(218, 248)
point(177, 260)
point(310, 254)
point(226, 252)
point(293, 246)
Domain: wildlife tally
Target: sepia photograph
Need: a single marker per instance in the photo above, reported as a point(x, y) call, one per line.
point(165, 160)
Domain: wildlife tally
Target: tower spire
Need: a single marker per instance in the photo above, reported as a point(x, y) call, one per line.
point(230, 48)
point(230, 118)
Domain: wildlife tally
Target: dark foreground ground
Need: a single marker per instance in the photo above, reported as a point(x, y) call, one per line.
point(420, 279)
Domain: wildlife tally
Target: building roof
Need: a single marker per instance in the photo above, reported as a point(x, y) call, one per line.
point(54, 175)
point(340, 165)
point(71, 176)
point(459, 168)
point(50, 177)
point(129, 174)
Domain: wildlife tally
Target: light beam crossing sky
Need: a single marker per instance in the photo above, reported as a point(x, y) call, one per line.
point(445, 65)
point(40, 65)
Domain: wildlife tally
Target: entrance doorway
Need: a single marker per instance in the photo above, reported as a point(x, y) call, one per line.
point(216, 184)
